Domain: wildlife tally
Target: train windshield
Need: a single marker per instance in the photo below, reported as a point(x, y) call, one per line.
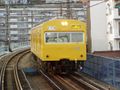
point(63, 37)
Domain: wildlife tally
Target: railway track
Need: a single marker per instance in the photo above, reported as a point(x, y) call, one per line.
point(53, 84)
point(9, 75)
point(2, 56)
point(73, 82)
point(12, 78)
point(64, 82)
point(67, 83)
point(90, 82)
point(86, 84)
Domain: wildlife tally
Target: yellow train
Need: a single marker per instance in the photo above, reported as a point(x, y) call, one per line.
point(59, 44)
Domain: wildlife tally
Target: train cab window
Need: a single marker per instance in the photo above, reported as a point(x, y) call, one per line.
point(76, 37)
point(63, 37)
point(51, 37)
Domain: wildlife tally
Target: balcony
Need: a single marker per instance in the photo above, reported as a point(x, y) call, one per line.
point(117, 37)
point(14, 38)
point(116, 14)
point(13, 32)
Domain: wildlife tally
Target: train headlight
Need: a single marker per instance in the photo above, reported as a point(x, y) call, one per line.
point(64, 23)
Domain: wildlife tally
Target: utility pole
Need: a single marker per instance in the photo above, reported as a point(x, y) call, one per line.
point(86, 3)
point(69, 16)
point(8, 46)
point(32, 18)
point(61, 11)
point(89, 39)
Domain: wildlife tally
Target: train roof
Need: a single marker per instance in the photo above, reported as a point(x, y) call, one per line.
point(55, 21)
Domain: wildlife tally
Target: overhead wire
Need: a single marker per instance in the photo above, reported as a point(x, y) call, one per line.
point(89, 6)
point(98, 3)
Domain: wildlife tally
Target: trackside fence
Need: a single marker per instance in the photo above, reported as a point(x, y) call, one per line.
point(104, 69)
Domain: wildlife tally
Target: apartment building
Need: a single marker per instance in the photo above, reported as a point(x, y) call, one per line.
point(113, 24)
point(22, 1)
point(16, 21)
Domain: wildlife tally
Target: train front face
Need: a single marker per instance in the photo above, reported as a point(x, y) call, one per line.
point(64, 40)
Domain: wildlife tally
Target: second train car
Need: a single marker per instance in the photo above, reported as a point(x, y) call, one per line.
point(59, 44)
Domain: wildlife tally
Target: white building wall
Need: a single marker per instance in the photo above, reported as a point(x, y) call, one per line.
point(98, 27)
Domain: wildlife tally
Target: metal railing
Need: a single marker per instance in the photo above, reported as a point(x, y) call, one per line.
point(104, 69)
point(14, 46)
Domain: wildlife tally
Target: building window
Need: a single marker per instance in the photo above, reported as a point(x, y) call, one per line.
point(118, 6)
point(119, 45)
point(110, 28)
point(111, 46)
point(109, 9)
point(119, 11)
point(119, 28)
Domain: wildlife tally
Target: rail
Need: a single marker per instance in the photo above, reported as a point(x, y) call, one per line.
point(3, 69)
point(50, 81)
point(88, 82)
point(17, 79)
point(66, 83)
point(76, 82)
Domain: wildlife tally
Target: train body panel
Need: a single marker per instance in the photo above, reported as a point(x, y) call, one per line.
point(67, 51)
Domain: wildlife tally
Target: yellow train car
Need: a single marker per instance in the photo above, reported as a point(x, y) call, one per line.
point(58, 41)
